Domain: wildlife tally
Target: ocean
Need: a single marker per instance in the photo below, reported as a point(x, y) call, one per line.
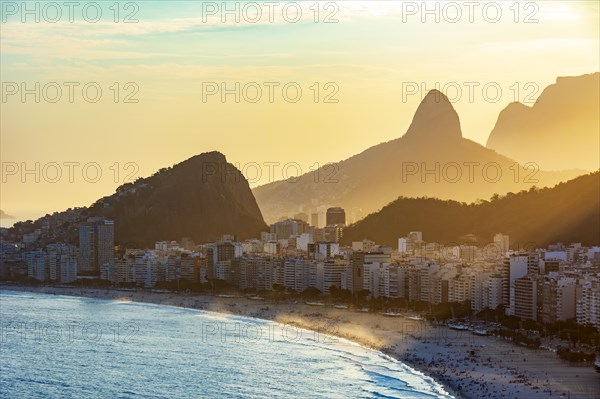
point(66, 347)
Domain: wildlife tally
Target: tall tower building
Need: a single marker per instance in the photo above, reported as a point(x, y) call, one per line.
point(335, 216)
point(502, 244)
point(322, 215)
point(514, 267)
point(96, 246)
point(524, 298)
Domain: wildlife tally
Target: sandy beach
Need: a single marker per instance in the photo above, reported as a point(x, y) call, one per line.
point(472, 367)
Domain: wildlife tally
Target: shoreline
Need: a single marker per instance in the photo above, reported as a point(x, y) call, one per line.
point(465, 365)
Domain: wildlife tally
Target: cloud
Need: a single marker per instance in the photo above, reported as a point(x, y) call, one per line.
point(107, 39)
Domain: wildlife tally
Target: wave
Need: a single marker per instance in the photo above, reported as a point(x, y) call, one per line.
point(371, 372)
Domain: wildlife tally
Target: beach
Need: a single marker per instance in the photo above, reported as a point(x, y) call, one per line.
point(469, 366)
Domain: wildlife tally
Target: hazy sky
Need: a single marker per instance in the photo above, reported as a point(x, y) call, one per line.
point(376, 59)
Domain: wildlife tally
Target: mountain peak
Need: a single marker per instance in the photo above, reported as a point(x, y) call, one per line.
point(212, 156)
point(564, 118)
point(202, 197)
point(435, 119)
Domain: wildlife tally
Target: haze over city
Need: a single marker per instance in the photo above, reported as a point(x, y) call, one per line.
point(300, 199)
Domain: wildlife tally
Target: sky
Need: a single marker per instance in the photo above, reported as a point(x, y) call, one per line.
point(142, 83)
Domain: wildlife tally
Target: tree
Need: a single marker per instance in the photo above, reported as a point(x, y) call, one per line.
point(278, 287)
point(511, 322)
point(360, 297)
point(311, 293)
point(340, 294)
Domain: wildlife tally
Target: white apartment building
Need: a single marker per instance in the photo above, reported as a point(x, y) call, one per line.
point(588, 306)
point(331, 272)
point(559, 298)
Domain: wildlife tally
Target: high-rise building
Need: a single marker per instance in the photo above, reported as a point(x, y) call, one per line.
point(36, 265)
point(252, 272)
point(469, 252)
point(290, 227)
point(58, 262)
point(398, 281)
point(264, 236)
point(533, 264)
point(524, 298)
point(68, 268)
point(364, 246)
point(314, 219)
point(354, 272)
point(296, 273)
point(492, 293)
point(549, 266)
point(558, 298)
point(374, 271)
point(555, 255)
point(419, 285)
point(514, 267)
point(140, 267)
point(96, 246)
point(593, 256)
point(62, 262)
point(226, 251)
point(502, 244)
point(415, 236)
point(187, 243)
point(303, 241)
point(271, 248)
point(376, 279)
point(322, 215)
point(414, 240)
point(402, 247)
point(336, 216)
point(323, 250)
point(218, 259)
point(332, 271)
point(166, 245)
point(588, 306)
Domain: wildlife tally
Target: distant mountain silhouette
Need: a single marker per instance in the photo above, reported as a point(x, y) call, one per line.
point(202, 198)
point(462, 170)
point(562, 130)
point(4, 215)
point(568, 212)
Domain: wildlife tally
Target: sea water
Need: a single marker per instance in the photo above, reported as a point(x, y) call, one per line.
point(56, 346)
